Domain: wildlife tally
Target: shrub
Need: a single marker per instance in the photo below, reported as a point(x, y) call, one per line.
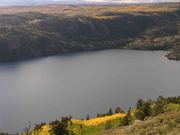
point(127, 119)
point(61, 127)
point(4, 134)
point(177, 120)
point(172, 107)
point(118, 110)
point(38, 126)
point(143, 109)
point(87, 117)
point(159, 108)
point(139, 115)
point(110, 112)
point(108, 125)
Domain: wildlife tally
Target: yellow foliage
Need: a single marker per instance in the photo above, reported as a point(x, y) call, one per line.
point(100, 120)
point(45, 130)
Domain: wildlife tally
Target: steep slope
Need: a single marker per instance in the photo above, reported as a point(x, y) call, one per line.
point(164, 124)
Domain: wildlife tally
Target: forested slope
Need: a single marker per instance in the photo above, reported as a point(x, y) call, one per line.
point(27, 32)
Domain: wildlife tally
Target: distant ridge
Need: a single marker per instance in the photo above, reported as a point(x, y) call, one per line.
point(5, 3)
point(36, 31)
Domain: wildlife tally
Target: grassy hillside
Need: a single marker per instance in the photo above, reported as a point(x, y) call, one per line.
point(27, 32)
point(158, 117)
point(84, 127)
point(90, 10)
point(164, 124)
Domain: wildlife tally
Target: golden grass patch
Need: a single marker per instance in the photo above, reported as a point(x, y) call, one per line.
point(97, 121)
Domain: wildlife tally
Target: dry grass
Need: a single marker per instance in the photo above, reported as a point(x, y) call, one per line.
point(165, 124)
point(91, 10)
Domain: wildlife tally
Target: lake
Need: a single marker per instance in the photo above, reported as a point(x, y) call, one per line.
point(45, 89)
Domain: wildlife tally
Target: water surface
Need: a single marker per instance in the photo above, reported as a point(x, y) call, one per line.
point(79, 84)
